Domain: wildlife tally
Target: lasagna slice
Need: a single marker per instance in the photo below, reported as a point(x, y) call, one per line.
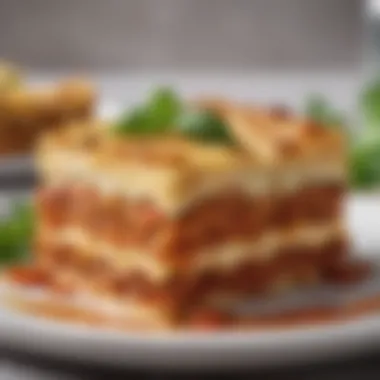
point(168, 224)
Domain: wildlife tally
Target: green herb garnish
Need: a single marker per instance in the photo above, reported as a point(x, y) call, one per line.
point(365, 152)
point(163, 108)
point(364, 155)
point(16, 232)
point(134, 122)
point(319, 109)
point(370, 105)
point(365, 162)
point(156, 116)
point(203, 125)
point(164, 112)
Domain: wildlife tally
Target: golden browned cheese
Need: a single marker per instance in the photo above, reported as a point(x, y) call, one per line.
point(275, 134)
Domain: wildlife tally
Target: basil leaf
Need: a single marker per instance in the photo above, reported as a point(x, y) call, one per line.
point(16, 232)
point(156, 116)
point(163, 108)
point(370, 105)
point(317, 108)
point(134, 122)
point(365, 162)
point(205, 126)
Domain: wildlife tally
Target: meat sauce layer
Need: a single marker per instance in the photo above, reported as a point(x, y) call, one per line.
point(231, 215)
point(297, 265)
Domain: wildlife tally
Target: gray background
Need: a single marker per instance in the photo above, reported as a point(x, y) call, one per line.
point(146, 34)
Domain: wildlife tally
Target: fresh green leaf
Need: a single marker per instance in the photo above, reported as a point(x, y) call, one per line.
point(156, 116)
point(163, 112)
point(370, 105)
point(163, 107)
point(16, 232)
point(204, 125)
point(365, 162)
point(320, 110)
point(134, 122)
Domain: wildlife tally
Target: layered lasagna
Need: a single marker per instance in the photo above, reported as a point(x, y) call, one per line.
point(27, 111)
point(167, 224)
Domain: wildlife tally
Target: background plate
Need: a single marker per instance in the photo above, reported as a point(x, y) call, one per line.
point(23, 165)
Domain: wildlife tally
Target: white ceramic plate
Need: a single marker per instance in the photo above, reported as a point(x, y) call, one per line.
point(200, 350)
